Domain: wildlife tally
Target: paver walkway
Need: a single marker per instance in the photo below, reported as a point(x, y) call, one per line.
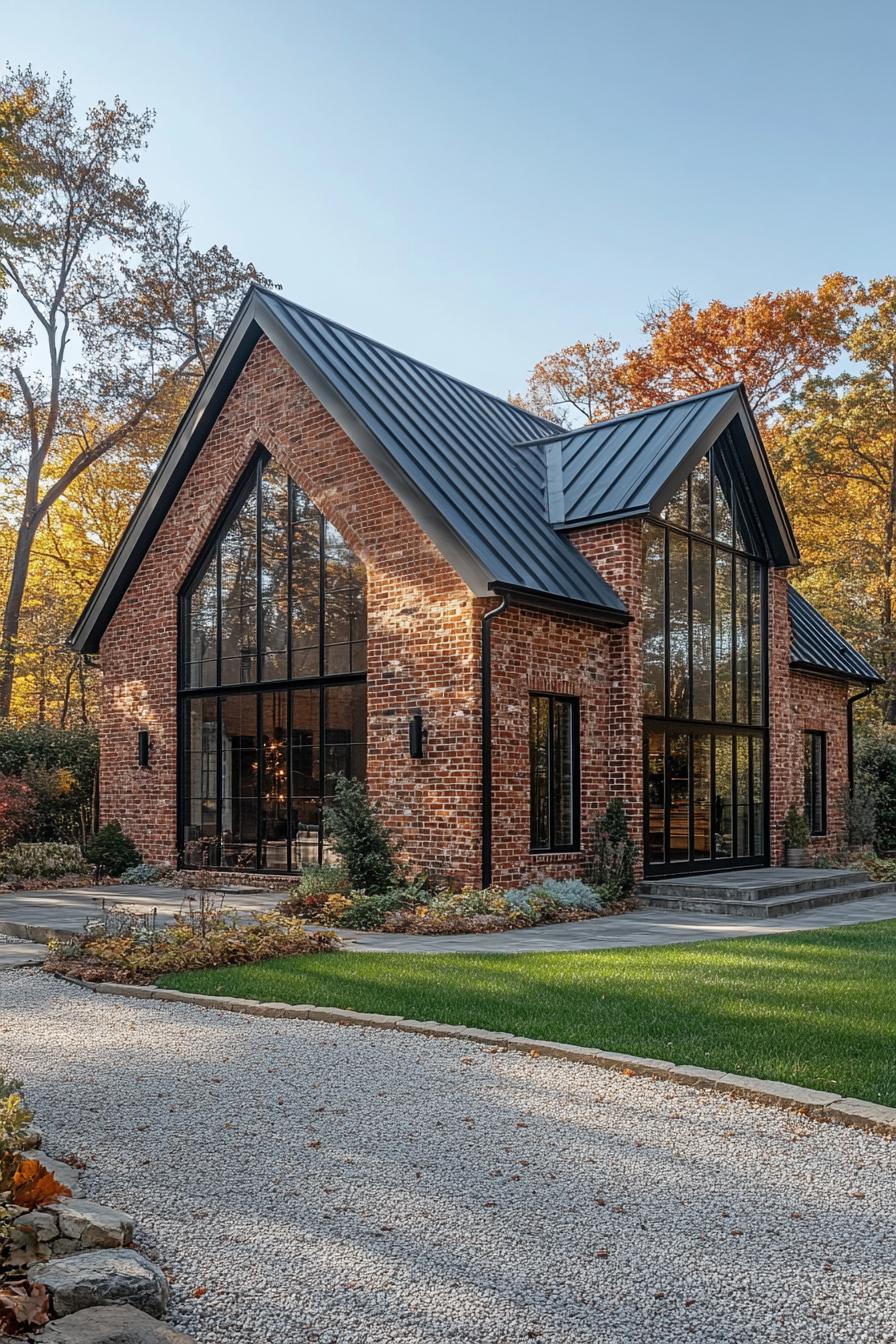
point(66, 911)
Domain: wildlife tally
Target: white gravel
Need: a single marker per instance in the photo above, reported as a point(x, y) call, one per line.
point(305, 1182)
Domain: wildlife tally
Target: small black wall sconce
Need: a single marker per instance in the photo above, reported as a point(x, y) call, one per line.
point(143, 748)
point(417, 735)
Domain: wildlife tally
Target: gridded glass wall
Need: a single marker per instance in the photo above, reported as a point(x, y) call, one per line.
point(273, 686)
point(704, 661)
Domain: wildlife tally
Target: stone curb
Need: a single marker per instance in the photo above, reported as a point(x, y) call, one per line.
point(816, 1105)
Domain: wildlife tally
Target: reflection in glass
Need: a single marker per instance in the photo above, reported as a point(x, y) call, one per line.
point(702, 795)
point(679, 797)
point(656, 796)
point(744, 799)
point(723, 577)
point(539, 728)
point(274, 786)
point(678, 627)
point(701, 629)
point(757, 747)
point(676, 511)
point(200, 777)
point(306, 549)
point(654, 618)
point(722, 806)
point(274, 543)
point(757, 690)
point(239, 780)
point(741, 641)
point(721, 509)
point(701, 499)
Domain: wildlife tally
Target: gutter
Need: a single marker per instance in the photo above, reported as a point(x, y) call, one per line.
point(850, 753)
point(487, 619)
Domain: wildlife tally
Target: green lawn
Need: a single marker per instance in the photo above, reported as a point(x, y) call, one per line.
point(816, 1009)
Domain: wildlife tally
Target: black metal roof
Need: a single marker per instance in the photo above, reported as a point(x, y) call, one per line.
point(631, 466)
point(815, 645)
point(446, 448)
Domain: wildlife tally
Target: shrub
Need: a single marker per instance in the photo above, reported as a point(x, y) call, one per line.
point(796, 828)
point(17, 805)
point(111, 851)
point(859, 816)
point(45, 858)
point(316, 883)
point(361, 839)
point(369, 910)
point(613, 853)
point(143, 872)
point(60, 765)
point(875, 779)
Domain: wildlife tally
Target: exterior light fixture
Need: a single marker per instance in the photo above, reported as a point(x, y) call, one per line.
point(143, 748)
point(417, 735)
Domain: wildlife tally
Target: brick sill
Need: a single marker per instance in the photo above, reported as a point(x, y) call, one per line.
point(561, 856)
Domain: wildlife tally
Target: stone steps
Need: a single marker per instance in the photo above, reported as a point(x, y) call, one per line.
point(760, 900)
point(751, 885)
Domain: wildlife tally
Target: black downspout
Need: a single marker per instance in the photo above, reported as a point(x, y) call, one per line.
point(487, 740)
point(850, 755)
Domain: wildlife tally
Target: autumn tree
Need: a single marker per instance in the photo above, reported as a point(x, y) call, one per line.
point(119, 314)
point(835, 449)
point(772, 342)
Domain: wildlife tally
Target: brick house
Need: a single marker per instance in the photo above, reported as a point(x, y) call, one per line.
point(348, 561)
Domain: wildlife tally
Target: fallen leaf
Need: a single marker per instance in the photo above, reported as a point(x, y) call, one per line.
point(32, 1185)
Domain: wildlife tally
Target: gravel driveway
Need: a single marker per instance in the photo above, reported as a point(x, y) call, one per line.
point(305, 1182)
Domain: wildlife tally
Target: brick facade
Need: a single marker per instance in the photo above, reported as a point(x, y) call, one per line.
point(798, 703)
point(424, 653)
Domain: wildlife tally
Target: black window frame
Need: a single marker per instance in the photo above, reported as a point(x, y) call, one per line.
point(553, 847)
point(320, 680)
point(815, 791)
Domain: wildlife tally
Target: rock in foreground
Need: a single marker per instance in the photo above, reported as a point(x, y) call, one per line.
point(111, 1325)
point(101, 1279)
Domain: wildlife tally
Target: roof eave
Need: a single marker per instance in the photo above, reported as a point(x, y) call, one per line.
point(564, 606)
point(815, 670)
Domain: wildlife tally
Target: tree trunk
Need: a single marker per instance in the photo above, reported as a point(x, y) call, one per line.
point(12, 613)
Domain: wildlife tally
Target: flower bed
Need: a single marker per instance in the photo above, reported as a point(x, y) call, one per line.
point(324, 895)
point(129, 948)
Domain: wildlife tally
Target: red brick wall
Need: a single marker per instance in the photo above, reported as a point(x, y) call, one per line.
point(423, 638)
point(535, 651)
point(797, 703)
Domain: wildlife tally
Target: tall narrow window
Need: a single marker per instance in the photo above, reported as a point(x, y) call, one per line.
point(554, 771)
point(815, 753)
point(273, 686)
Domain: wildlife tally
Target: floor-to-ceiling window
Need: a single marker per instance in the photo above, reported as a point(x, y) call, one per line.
point(272, 680)
point(705, 738)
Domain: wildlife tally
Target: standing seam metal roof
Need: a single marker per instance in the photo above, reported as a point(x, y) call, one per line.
point(815, 644)
point(457, 444)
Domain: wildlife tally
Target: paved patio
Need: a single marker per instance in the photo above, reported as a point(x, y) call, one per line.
point(39, 914)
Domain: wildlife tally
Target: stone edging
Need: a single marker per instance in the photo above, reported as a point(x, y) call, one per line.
point(827, 1106)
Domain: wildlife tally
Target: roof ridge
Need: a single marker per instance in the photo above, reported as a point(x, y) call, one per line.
point(402, 354)
point(629, 415)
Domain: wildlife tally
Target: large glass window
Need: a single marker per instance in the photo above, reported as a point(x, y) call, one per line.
point(273, 686)
point(703, 617)
point(554, 771)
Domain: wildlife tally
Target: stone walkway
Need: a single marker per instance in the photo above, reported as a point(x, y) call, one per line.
point(36, 913)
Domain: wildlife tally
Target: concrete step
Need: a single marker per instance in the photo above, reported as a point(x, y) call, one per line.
point(760, 885)
point(791, 903)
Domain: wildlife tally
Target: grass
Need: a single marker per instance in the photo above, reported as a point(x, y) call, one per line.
point(815, 1009)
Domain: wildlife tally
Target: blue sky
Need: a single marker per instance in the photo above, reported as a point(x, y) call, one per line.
point(482, 183)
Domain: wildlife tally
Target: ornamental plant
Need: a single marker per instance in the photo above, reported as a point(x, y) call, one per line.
point(796, 828)
point(43, 859)
point(612, 863)
point(17, 804)
point(111, 851)
point(360, 838)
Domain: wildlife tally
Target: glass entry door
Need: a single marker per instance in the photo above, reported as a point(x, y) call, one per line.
point(705, 676)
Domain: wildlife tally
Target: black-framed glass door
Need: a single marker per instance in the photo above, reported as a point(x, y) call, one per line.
point(705, 676)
